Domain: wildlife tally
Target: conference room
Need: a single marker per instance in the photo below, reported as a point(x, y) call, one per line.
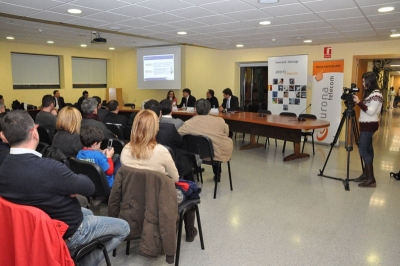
point(279, 212)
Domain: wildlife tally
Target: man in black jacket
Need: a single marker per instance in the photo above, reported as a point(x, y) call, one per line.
point(59, 101)
point(230, 102)
point(187, 99)
point(113, 117)
point(212, 99)
point(28, 179)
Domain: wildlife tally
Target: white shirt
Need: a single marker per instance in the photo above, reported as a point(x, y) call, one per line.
point(228, 103)
point(24, 151)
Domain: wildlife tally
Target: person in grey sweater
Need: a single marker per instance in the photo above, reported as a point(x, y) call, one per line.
point(90, 117)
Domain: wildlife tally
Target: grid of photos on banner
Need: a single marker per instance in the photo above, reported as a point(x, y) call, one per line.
point(287, 93)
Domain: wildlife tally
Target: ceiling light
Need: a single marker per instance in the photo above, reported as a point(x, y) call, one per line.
point(239, 45)
point(83, 45)
point(74, 11)
point(307, 41)
point(394, 35)
point(181, 32)
point(115, 28)
point(268, 1)
point(50, 42)
point(111, 48)
point(266, 22)
point(395, 65)
point(386, 9)
point(10, 38)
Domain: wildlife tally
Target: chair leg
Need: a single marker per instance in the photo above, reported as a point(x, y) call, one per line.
point(304, 142)
point(216, 180)
point(199, 226)
point(276, 143)
point(201, 174)
point(230, 177)
point(105, 253)
point(128, 244)
point(284, 146)
point(243, 137)
point(258, 137)
point(178, 244)
point(312, 141)
point(114, 252)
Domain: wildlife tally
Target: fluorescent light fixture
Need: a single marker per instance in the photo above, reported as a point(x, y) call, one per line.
point(74, 11)
point(395, 65)
point(115, 28)
point(181, 33)
point(268, 1)
point(266, 22)
point(111, 48)
point(83, 45)
point(386, 9)
point(50, 42)
point(10, 38)
point(394, 35)
point(307, 41)
point(239, 45)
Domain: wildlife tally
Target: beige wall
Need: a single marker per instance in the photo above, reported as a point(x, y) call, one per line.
point(202, 68)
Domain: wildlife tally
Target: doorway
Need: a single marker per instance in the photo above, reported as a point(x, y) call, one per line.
point(254, 86)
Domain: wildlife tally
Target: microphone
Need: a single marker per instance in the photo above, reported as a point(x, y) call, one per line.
point(301, 118)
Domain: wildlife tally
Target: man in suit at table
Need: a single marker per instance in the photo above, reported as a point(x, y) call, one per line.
point(230, 102)
point(59, 101)
point(187, 99)
point(113, 116)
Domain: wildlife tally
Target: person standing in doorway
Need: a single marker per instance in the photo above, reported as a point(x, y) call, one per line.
point(392, 94)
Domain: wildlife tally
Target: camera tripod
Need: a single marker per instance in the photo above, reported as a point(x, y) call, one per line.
point(348, 118)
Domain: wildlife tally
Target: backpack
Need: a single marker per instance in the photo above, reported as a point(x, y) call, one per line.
point(395, 175)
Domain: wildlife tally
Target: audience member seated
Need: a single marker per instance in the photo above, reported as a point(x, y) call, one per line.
point(58, 100)
point(213, 127)
point(68, 127)
point(187, 99)
point(85, 95)
point(113, 116)
point(47, 117)
point(91, 138)
point(4, 147)
point(166, 109)
point(143, 152)
point(2, 108)
point(28, 179)
point(101, 112)
point(90, 118)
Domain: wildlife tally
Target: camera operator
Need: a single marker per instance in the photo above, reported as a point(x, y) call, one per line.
point(370, 105)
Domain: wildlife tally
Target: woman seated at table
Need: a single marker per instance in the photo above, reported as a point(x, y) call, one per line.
point(172, 98)
point(68, 125)
point(143, 152)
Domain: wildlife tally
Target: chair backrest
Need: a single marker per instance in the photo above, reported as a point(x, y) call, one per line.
point(95, 173)
point(117, 144)
point(171, 151)
point(22, 225)
point(117, 130)
point(44, 135)
point(310, 116)
point(288, 114)
point(261, 111)
point(201, 145)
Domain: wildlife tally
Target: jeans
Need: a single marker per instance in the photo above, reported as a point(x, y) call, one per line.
point(365, 147)
point(93, 227)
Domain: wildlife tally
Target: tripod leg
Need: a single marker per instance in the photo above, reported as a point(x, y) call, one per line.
point(357, 139)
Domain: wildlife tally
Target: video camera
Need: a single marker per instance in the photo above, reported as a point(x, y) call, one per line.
point(348, 93)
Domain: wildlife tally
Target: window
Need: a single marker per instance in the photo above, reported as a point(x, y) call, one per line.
point(34, 71)
point(89, 73)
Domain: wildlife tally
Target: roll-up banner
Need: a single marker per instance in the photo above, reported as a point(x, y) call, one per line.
point(327, 88)
point(287, 83)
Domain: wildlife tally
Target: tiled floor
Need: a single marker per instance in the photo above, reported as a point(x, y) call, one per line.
point(282, 213)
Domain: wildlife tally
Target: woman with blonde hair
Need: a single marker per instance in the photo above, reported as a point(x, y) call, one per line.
point(143, 152)
point(68, 127)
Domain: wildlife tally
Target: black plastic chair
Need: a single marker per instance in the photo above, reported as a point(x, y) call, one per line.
point(98, 243)
point(182, 209)
point(286, 114)
point(202, 145)
point(267, 112)
point(117, 130)
point(95, 173)
point(308, 133)
point(117, 144)
point(44, 135)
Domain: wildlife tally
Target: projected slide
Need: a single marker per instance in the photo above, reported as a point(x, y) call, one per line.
point(158, 67)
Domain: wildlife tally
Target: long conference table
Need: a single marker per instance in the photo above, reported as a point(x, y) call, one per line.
point(272, 126)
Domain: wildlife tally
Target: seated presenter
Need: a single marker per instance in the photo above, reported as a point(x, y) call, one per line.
point(230, 102)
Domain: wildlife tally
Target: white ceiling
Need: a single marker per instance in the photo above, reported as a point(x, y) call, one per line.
point(217, 24)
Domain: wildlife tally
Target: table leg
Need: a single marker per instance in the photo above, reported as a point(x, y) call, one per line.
point(297, 154)
point(253, 144)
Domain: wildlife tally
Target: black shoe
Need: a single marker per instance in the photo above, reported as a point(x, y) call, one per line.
point(190, 237)
point(218, 180)
point(202, 170)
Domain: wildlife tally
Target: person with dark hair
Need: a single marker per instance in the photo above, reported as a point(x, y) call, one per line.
point(90, 117)
point(166, 110)
point(58, 100)
point(172, 98)
point(370, 105)
point(187, 99)
point(213, 127)
point(47, 117)
point(4, 147)
point(113, 117)
point(85, 95)
point(212, 99)
point(28, 179)
point(101, 112)
point(230, 102)
point(91, 138)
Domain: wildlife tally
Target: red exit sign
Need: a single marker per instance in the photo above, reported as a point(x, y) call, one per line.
point(327, 52)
